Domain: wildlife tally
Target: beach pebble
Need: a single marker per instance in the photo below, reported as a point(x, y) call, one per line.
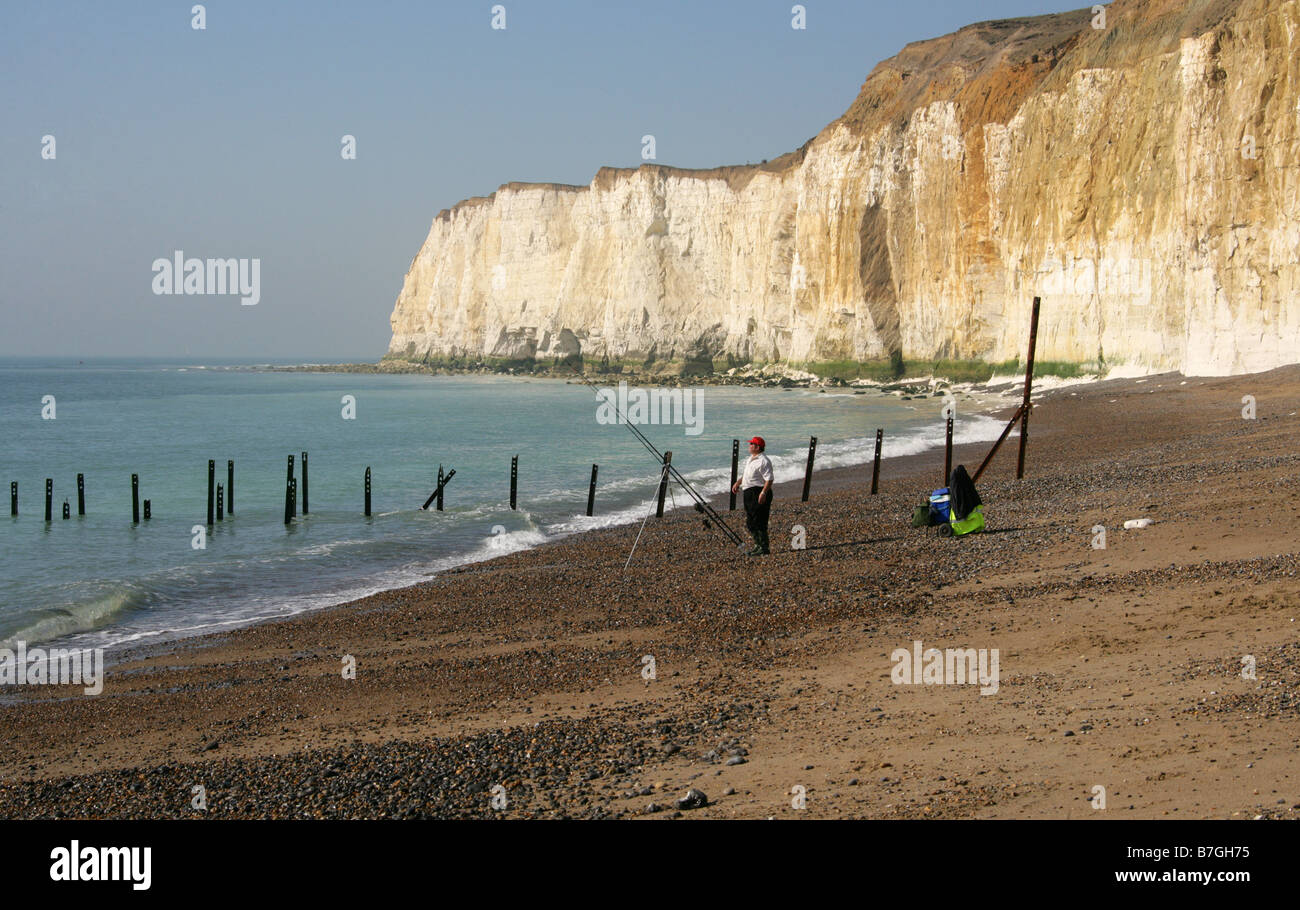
point(1136, 523)
point(694, 799)
point(736, 760)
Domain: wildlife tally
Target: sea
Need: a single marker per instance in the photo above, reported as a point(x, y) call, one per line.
point(101, 580)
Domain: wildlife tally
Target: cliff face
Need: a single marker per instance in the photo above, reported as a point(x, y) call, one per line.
point(1143, 179)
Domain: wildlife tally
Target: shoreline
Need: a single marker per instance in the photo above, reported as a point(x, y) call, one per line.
point(965, 375)
point(527, 669)
point(162, 641)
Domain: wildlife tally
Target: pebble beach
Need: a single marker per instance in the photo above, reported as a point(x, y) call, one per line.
point(699, 683)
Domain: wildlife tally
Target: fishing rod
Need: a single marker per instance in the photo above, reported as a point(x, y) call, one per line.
point(701, 504)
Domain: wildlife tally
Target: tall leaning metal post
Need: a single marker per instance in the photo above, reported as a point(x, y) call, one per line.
point(1029, 382)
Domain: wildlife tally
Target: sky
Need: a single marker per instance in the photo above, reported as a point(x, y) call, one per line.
point(227, 141)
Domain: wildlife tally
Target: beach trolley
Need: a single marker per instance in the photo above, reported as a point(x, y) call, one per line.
point(955, 509)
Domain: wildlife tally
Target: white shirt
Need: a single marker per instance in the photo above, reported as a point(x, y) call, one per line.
point(758, 471)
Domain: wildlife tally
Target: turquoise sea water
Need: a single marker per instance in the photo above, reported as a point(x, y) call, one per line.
point(99, 580)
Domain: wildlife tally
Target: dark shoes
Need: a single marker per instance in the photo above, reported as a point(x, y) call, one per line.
point(760, 544)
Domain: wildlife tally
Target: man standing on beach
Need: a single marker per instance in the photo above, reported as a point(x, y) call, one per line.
point(757, 484)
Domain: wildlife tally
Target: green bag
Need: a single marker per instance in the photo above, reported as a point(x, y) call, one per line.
point(921, 516)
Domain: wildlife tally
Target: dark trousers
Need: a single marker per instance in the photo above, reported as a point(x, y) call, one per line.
point(756, 513)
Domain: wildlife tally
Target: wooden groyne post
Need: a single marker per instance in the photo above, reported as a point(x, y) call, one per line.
point(514, 479)
point(875, 467)
point(230, 486)
point(67, 510)
point(49, 498)
point(135, 499)
point(13, 497)
point(81, 494)
point(663, 485)
point(304, 483)
point(439, 488)
point(212, 490)
point(367, 491)
point(1029, 382)
point(148, 509)
point(288, 492)
point(221, 511)
point(807, 471)
point(735, 462)
point(443, 480)
point(591, 492)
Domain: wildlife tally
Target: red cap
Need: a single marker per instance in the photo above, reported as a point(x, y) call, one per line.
point(758, 441)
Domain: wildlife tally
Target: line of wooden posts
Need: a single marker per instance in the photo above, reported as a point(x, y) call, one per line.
point(221, 500)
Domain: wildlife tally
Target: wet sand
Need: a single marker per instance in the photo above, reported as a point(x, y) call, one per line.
point(521, 681)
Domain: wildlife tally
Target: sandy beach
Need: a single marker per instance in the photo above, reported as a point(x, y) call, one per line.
point(517, 688)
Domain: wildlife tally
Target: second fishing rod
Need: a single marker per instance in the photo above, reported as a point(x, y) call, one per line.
point(701, 504)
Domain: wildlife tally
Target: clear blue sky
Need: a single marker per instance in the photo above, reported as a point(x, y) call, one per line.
point(225, 142)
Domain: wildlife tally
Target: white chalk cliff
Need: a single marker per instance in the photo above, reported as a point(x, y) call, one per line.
point(1142, 178)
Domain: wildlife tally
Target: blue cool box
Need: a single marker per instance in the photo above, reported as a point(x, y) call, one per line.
point(939, 503)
